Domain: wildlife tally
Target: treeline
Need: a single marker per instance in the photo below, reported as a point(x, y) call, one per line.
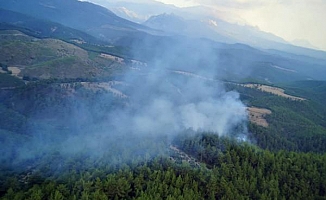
point(233, 170)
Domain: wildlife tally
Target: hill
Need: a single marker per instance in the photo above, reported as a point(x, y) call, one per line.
point(293, 125)
point(314, 90)
point(84, 16)
point(133, 41)
point(143, 116)
point(39, 28)
point(34, 58)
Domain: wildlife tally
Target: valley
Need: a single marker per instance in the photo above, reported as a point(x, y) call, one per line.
point(93, 106)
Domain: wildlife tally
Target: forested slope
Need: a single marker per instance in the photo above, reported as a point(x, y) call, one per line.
point(293, 125)
point(66, 99)
point(233, 171)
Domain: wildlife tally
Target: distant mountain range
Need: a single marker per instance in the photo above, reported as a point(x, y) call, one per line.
point(104, 24)
point(222, 31)
point(211, 22)
point(90, 18)
point(209, 47)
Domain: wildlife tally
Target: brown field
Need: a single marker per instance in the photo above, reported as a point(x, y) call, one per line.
point(257, 115)
point(273, 90)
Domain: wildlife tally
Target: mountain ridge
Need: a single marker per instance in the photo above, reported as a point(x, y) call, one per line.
point(222, 31)
point(93, 19)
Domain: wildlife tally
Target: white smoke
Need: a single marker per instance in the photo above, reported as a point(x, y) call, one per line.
point(175, 91)
point(168, 104)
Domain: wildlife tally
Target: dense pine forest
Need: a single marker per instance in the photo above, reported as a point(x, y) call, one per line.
point(282, 161)
point(227, 170)
point(95, 106)
point(293, 125)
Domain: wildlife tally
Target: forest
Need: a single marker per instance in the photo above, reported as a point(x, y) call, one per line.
point(228, 170)
point(293, 125)
point(282, 161)
point(97, 106)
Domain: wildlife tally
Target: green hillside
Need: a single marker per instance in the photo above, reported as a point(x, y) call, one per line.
point(314, 90)
point(293, 125)
point(228, 171)
point(51, 58)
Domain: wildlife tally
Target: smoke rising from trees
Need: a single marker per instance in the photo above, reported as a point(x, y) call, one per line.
point(175, 91)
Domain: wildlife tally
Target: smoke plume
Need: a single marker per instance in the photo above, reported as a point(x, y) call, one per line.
point(141, 112)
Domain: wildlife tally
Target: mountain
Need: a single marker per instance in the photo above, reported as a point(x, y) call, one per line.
point(176, 25)
point(207, 19)
point(224, 61)
point(88, 17)
point(105, 25)
point(138, 11)
point(303, 43)
point(203, 39)
point(10, 20)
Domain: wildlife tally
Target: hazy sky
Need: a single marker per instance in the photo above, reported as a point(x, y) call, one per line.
point(289, 19)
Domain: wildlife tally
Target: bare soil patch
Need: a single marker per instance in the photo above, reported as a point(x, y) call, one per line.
point(257, 115)
point(273, 90)
point(15, 71)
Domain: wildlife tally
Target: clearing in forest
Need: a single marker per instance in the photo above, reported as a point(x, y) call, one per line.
point(257, 115)
point(15, 71)
point(273, 90)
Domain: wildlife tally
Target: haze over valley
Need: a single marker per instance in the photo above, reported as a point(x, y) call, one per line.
point(145, 100)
